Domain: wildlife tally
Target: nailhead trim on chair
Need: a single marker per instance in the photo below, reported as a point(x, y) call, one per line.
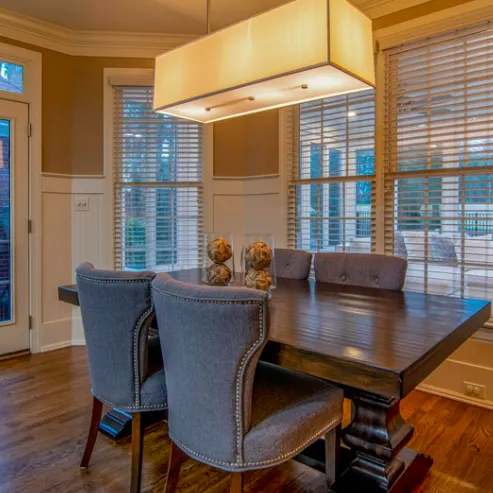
point(136, 339)
point(239, 383)
point(243, 363)
point(95, 279)
point(136, 331)
point(277, 460)
point(212, 301)
point(156, 407)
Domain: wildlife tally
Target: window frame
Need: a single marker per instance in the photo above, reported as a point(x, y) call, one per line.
point(138, 78)
point(335, 172)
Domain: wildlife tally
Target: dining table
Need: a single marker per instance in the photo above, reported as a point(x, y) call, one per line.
point(378, 345)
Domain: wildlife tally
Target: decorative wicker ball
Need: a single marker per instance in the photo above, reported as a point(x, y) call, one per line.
point(219, 250)
point(258, 255)
point(258, 279)
point(219, 274)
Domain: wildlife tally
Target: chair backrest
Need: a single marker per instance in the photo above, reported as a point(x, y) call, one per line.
point(116, 309)
point(293, 264)
point(211, 339)
point(358, 269)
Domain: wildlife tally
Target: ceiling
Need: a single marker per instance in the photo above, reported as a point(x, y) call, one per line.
point(163, 16)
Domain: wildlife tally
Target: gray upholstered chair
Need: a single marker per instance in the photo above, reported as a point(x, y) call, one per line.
point(293, 264)
point(226, 409)
point(360, 269)
point(117, 311)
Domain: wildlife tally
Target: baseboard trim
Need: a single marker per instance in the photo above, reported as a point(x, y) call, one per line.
point(450, 394)
point(58, 345)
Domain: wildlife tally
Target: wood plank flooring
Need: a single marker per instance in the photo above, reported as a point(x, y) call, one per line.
point(45, 411)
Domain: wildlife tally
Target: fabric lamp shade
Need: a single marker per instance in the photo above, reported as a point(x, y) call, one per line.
point(303, 50)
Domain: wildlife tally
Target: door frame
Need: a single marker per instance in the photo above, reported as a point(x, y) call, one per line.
point(32, 62)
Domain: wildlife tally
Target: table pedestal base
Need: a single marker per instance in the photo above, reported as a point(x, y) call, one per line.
point(416, 466)
point(117, 424)
point(374, 458)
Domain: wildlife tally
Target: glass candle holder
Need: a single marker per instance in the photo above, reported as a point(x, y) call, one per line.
point(218, 268)
point(258, 261)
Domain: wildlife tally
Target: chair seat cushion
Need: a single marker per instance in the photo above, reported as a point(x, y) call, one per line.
point(153, 395)
point(290, 411)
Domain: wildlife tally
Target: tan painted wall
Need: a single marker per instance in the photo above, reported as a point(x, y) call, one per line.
point(87, 104)
point(73, 112)
point(247, 146)
point(57, 93)
point(415, 12)
point(73, 109)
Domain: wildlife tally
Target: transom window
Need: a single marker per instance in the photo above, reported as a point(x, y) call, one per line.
point(11, 77)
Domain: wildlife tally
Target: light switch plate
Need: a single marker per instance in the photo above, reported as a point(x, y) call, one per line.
point(81, 203)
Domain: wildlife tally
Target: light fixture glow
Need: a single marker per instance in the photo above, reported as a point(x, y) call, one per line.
point(351, 113)
point(321, 82)
point(194, 111)
point(270, 95)
point(322, 46)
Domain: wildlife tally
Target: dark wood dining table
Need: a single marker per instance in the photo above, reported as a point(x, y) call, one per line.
point(376, 344)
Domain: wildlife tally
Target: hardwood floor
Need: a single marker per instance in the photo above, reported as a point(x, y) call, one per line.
point(45, 409)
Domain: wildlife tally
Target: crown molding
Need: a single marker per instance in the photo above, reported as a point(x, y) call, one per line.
point(379, 8)
point(87, 43)
point(449, 19)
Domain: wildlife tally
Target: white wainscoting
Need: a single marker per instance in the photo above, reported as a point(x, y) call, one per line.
point(237, 205)
point(248, 205)
point(69, 237)
point(473, 363)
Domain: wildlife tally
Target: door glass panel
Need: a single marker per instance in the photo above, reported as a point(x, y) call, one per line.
point(5, 224)
point(11, 77)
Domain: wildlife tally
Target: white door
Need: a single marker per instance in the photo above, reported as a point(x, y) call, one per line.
point(14, 235)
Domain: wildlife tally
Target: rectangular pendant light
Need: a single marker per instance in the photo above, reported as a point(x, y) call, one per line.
point(303, 50)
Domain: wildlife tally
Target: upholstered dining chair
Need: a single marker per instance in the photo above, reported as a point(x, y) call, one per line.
point(227, 409)
point(292, 264)
point(361, 269)
point(117, 312)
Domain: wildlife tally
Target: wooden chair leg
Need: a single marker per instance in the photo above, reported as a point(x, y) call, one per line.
point(176, 459)
point(137, 446)
point(332, 454)
point(236, 482)
point(97, 411)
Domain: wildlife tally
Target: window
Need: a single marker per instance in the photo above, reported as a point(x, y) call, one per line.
point(158, 185)
point(11, 77)
point(437, 177)
point(333, 180)
point(439, 156)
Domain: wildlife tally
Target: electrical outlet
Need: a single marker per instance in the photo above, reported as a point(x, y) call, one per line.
point(474, 390)
point(81, 203)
